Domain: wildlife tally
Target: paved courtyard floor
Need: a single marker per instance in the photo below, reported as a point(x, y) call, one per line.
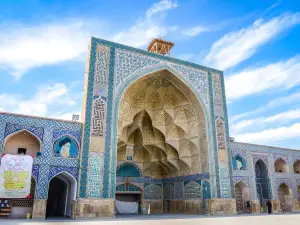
point(171, 219)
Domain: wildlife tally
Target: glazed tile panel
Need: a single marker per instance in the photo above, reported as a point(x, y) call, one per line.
point(124, 65)
point(268, 155)
point(47, 131)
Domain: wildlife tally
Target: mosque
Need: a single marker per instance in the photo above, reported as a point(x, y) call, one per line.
point(154, 134)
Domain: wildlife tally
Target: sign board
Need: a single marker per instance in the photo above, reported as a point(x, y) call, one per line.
point(15, 176)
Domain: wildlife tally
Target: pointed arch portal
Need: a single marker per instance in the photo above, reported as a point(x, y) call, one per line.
point(161, 126)
point(162, 129)
point(61, 193)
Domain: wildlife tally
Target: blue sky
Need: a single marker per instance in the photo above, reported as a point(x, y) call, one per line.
point(43, 47)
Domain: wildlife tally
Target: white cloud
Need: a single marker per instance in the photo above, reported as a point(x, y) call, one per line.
point(55, 100)
point(286, 100)
point(161, 6)
point(26, 47)
point(238, 46)
point(23, 47)
point(279, 118)
point(280, 75)
point(270, 135)
point(194, 31)
point(141, 33)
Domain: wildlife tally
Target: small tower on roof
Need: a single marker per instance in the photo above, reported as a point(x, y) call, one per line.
point(160, 46)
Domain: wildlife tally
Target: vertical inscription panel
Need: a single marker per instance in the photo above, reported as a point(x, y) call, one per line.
point(98, 123)
point(99, 117)
point(224, 180)
point(220, 133)
point(95, 181)
point(100, 92)
point(217, 95)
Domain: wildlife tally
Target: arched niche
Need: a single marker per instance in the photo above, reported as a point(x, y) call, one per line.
point(262, 181)
point(66, 147)
point(285, 195)
point(281, 166)
point(242, 195)
point(21, 142)
point(128, 170)
point(61, 192)
point(239, 163)
point(296, 167)
point(162, 125)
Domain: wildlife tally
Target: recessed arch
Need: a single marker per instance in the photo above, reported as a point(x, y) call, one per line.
point(262, 181)
point(128, 170)
point(281, 166)
point(22, 139)
point(239, 162)
point(66, 146)
point(155, 137)
point(285, 195)
point(296, 167)
point(62, 189)
point(204, 124)
point(242, 195)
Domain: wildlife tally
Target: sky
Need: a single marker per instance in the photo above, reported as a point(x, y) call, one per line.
point(43, 49)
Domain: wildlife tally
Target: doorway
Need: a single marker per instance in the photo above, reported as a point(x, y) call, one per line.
point(62, 191)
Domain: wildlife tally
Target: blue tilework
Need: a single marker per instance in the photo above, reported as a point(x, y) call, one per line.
point(267, 154)
point(119, 95)
point(109, 166)
point(227, 132)
point(35, 172)
point(12, 128)
point(87, 124)
point(54, 170)
point(43, 129)
point(154, 55)
point(206, 193)
point(75, 134)
point(215, 148)
point(109, 175)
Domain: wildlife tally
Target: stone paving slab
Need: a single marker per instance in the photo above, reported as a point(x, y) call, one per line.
point(281, 219)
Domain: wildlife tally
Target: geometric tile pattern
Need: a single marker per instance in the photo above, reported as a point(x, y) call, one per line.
point(76, 134)
point(12, 128)
point(53, 171)
point(192, 190)
point(206, 193)
point(153, 191)
point(127, 64)
point(46, 130)
point(268, 155)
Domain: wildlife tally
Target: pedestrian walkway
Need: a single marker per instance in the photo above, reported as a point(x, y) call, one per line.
point(171, 219)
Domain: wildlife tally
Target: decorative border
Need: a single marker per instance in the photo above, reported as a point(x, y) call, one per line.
point(115, 112)
point(109, 167)
point(214, 136)
point(11, 128)
point(54, 171)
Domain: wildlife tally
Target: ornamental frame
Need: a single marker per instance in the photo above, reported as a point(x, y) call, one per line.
point(166, 63)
